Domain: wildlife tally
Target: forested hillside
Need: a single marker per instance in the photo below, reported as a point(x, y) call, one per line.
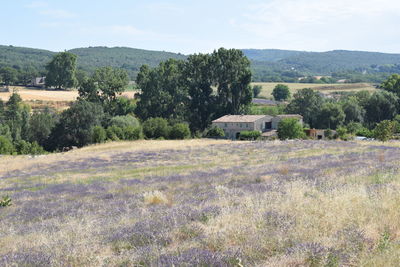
point(268, 65)
point(273, 65)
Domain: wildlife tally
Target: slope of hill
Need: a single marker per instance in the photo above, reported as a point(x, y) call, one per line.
point(130, 59)
point(23, 57)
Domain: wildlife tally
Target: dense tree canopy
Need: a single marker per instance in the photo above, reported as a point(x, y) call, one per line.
point(61, 71)
point(307, 103)
point(381, 106)
point(281, 92)
point(392, 84)
point(330, 116)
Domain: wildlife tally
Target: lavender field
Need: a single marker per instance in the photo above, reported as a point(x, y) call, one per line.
point(204, 203)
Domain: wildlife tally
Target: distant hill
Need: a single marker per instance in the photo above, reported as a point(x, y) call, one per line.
point(130, 59)
point(267, 64)
point(89, 59)
point(319, 63)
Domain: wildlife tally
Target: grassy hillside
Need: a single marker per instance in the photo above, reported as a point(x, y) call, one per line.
point(204, 203)
point(23, 57)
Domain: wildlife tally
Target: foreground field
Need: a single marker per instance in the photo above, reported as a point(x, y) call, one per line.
point(204, 203)
point(324, 88)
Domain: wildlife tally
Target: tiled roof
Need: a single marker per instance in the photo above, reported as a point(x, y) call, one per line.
point(241, 118)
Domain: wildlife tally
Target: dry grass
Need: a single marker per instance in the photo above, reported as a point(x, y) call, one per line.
point(324, 88)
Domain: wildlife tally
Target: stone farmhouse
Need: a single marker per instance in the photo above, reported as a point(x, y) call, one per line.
point(232, 125)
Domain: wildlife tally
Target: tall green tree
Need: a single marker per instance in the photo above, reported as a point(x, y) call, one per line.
point(281, 92)
point(232, 77)
point(61, 71)
point(163, 91)
point(16, 116)
point(330, 116)
point(353, 110)
point(40, 126)
point(199, 80)
point(75, 127)
point(104, 85)
point(8, 75)
point(382, 105)
point(307, 103)
point(384, 130)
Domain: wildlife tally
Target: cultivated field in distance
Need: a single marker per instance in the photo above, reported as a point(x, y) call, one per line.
point(324, 88)
point(30, 94)
point(204, 203)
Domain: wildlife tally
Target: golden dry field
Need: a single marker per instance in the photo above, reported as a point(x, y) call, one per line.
point(324, 88)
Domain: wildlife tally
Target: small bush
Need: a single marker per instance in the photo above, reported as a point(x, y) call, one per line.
point(290, 128)
point(180, 131)
point(132, 133)
point(115, 133)
point(6, 147)
point(5, 202)
point(25, 148)
point(99, 135)
point(215, 132)
point(155, 128)
point(249, 135)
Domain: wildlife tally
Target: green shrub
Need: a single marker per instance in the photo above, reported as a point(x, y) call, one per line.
point(384, 130)
point(365, 132)
point(124, 121)
point(25, 148)
point(290, 128)
point(132, 133)
point(155, 128)
point(180, 131)
point(215, 132)
point(249, 135)
point(5, 202)
point(99, 134)
point(115, 133)
point(6, 147)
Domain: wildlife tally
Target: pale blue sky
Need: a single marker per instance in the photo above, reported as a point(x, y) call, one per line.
point(201, 26)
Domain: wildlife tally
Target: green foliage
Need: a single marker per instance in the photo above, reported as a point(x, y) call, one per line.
point(307, 103)
point(162, 91)
point(353, 111)
point(180, 131)
point(256, 90)
point(104, 86)
point(61, 71)
point(16, 117)
point(380, 106)
point(115, 133)
point(25, 148)
point(6, 147)
point(343, 133)
point(281, 92)
point(132, 133)
point(99, 135)
point(76, 125)
point(215, 131)
point(330, 116)
point(354, 127)
point(8, 75)
point(123, 106)
point(392, 84)
point(155, 128)
point(249, 135)
point(290, 128)
point(384, 130)
point(5, 201)
point(124, 121)
point(365, 132)
point(40, 126)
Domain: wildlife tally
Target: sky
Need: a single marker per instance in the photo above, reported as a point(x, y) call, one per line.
point(202, 26)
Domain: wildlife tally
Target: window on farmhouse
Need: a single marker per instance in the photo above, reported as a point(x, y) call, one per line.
point(226, 125)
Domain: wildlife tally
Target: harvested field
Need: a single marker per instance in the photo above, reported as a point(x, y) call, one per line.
point(324, 88)
point(204, 203)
